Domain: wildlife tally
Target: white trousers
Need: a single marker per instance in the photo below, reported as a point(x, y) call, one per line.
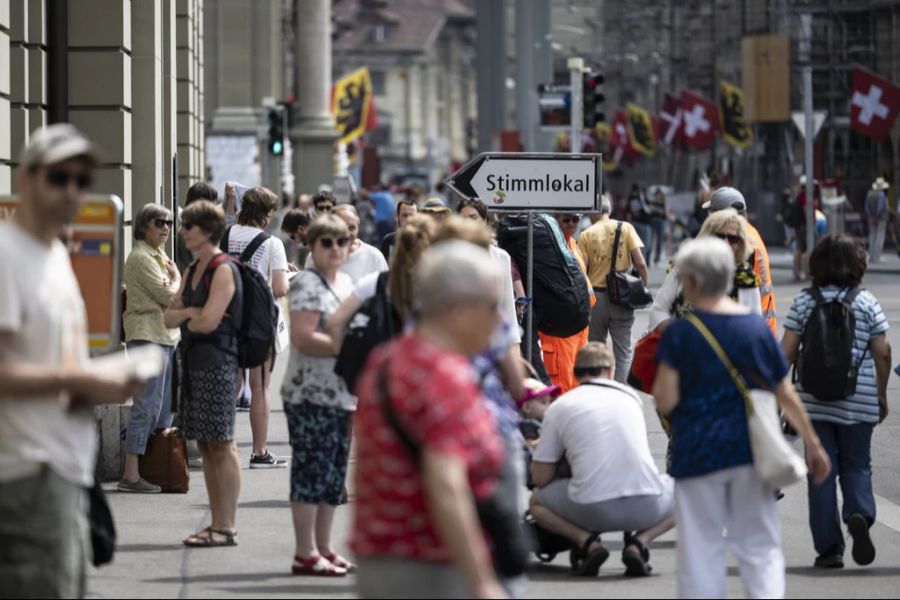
point(728, 510)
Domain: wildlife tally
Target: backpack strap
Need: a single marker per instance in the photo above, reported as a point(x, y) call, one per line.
point(217, 260)
point(615, 250)
point(254, 245)
point(223, 243)
point(851, 295)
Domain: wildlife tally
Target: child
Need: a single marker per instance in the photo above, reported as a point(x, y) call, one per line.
point(532, 407)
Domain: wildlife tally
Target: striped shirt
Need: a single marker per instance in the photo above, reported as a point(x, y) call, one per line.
point(861, 407)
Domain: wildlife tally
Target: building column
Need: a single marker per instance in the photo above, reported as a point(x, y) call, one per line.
point(171, 161)
point(313, 134)
point(99, 51)
point(148, 158)
point(5, 124)
point(491, 71)
point(190, 170)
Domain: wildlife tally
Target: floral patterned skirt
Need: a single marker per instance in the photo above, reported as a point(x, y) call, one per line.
point(320, 441)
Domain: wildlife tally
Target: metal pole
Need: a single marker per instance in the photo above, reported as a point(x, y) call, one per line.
point(529, 281)
point(576, 68)
point(810, 125)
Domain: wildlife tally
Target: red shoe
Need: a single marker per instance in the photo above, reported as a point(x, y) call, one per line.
point(341, 562)
point(316, 566)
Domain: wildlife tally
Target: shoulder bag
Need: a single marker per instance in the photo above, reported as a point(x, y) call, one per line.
point(625, 289)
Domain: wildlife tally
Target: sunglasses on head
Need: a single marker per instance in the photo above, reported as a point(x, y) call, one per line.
point(328, 242)
point(160, 223)
point(731, 239)
point(62, 178)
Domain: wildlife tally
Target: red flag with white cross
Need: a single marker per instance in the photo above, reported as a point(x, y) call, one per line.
point(671, 130)
point(623, 151)
point(700, 119)
point(874, 104)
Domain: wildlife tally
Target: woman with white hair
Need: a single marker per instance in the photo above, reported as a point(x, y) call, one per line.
point(717, 488)
point(428, 447)
point(727, 225)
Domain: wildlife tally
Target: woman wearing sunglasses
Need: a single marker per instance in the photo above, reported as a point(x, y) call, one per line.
point(151, 281)
point(729, 226)
point(317, 404)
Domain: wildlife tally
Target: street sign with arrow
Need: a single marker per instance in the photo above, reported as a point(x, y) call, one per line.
point(531, 181)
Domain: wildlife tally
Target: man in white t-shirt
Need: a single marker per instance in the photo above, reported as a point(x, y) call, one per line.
point(363, 259)
point(270, 260)
point(615, 485)
point(48, 434)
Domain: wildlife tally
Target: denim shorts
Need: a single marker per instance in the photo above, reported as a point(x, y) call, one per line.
point(320, 441)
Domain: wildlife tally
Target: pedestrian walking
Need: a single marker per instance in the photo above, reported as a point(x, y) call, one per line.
point(363, 258)
point(621, 491)
point(207, 309)
point(151, 282)
point(248, 240)
point(607, 319)
point(658, 207)
point(639, 215)
point(877, 215)
point(844, 423)
point(721, 503)
point(317, 404)
point(48, 432)
point(406, 209)
point(415, 529)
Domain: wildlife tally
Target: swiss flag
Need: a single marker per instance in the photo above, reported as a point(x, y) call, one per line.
point(874, 105)
point(623, 151)
point(671, 118)
point(700, 119)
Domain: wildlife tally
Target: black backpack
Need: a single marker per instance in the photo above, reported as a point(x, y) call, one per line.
point(562, 303)
point(825, 365)
point(258, 323)
point(373, 324)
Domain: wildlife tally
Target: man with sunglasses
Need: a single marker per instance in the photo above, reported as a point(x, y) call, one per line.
point(323, 203)
point(48, 434)
point(560, 353)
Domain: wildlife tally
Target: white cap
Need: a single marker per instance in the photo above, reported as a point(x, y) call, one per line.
point(56, 143)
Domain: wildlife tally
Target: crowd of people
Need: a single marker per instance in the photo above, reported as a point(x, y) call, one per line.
point(409, 348)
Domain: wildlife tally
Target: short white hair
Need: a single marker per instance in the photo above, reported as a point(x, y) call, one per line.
point(454, 271)
point(605, 204)
point(709, 262)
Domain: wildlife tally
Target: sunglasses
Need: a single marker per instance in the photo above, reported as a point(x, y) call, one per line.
point(160, 223)
point(328, 242)
point(62, 179)
point(731, 239)
point(572, 219)
point(323, 208)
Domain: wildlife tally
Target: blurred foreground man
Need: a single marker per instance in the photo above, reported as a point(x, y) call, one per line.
point(48, 435)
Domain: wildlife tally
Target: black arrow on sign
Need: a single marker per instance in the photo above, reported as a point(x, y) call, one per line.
point(461, 181)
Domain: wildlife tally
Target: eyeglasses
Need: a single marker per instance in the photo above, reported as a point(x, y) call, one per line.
point(323, 208)
point(328, 242)
point(731, 239)
point(572, 219)
point(61, 179)
point(160, 223)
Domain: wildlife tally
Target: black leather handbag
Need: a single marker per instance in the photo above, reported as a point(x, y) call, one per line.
point(625, 289)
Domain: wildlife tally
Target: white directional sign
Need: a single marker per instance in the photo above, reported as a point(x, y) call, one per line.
point(535, 181)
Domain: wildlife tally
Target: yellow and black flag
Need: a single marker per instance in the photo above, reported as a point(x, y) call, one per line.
point(731, 111)
point(352, 105)
point(641, 129)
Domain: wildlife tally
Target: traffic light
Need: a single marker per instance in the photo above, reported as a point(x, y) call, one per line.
point(593, 99)
point(276, 132)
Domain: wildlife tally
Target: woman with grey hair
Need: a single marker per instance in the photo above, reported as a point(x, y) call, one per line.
point(716, 486)
point(416, 532)
point(151, 281)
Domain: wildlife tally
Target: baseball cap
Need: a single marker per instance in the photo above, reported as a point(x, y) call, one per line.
point(436, 205)
point(56, 143)
point(726, 197)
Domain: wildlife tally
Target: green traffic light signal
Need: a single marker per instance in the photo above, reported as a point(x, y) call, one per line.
point(277, 148)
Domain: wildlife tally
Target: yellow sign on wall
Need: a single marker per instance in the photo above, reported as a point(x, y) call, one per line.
point(351, 104)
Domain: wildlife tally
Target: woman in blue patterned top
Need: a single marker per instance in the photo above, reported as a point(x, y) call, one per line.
point(837, 266)
point(716, 486)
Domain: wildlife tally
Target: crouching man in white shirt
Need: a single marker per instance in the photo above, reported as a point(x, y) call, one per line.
point(599, 429)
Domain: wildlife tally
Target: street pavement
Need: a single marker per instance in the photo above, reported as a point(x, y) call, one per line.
point(152, 563)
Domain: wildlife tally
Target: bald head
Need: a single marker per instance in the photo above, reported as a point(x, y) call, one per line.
point(348, 213)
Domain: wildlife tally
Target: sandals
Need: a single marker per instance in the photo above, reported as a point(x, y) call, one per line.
point(317, 566)
point(589, 563)
point(205, 538)
point(339, 561)
point(636, 565)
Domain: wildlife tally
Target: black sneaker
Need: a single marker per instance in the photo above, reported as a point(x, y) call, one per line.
point(267, 461)
point(829, 562)
point(243, 405)
point(863, 549)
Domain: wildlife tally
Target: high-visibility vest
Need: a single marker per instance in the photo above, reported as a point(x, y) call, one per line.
point(762, 268)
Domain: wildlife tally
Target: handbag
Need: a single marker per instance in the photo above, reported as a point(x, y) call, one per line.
point(282, 334)
point(498, 513)
point(165, 461)
point(774, 460)
point(102, 526)
point(625, 289)
point(643, 365)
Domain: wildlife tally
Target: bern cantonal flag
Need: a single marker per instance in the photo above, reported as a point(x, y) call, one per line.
point(623, 151)
point(671, 122)
point(701, 120)
point(874, 104)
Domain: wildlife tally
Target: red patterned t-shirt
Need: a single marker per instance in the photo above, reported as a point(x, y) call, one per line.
point(435, 396)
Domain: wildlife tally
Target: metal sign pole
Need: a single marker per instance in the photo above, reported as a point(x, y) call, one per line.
point(576, 68)
point(810, 134)
point(529, 280)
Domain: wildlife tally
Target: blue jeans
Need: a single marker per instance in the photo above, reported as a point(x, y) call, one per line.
point(645, 232)
point(152, 408)
point(659, 236)
point(850, 449)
